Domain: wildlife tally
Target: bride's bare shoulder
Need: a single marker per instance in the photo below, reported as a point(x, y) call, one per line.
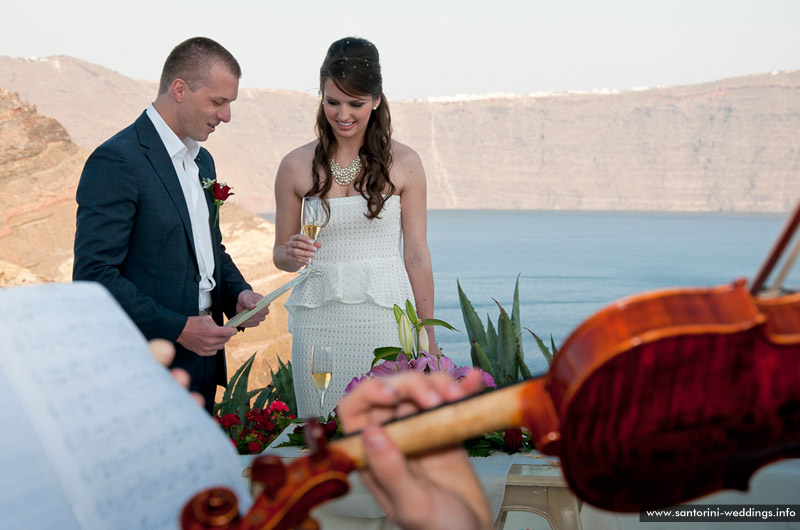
point(299, 159)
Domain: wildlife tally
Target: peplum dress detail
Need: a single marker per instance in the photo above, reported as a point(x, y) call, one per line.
point(348, 307)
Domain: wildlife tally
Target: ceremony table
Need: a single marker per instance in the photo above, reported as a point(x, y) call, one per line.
point(533, 483)
point(523, 482)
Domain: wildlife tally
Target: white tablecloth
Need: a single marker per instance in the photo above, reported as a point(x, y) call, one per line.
point(358, 510)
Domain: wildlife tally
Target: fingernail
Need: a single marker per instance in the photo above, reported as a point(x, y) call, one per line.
point(375, 440)
point(432, 398)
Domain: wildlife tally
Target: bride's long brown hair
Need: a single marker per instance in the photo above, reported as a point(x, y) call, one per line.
point(353, 65)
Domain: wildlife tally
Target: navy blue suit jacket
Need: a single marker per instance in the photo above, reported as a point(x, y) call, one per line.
point(134, 236)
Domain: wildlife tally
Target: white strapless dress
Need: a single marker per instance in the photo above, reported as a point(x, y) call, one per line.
point(349, 306)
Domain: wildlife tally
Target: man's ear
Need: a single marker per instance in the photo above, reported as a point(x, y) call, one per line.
point(178, 89)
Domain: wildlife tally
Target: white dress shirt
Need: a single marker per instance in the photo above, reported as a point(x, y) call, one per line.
point(183, 153)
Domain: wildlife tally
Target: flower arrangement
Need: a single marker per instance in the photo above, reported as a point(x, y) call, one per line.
point(413, 353)
point(258, 429)
point(219, 193)
point(251, 428)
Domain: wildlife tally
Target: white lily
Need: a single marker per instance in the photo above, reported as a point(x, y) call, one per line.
point(423, 343)
point(406, 336)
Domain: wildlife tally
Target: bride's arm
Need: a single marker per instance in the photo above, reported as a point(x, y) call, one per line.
point(413, 200)
point(292, 250)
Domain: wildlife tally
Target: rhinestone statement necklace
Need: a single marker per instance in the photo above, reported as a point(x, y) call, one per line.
point(345, 175)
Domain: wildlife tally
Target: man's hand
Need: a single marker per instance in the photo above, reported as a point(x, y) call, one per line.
point(247, 300)
point(436, 491)
point(203, 336)
point(164, 352)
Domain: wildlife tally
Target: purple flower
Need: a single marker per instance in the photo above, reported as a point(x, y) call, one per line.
point(440, 363)
point(354, 383)
point(391, 367)
point(488, 380)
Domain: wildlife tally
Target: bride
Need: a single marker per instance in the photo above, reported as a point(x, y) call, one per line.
point(375, 193)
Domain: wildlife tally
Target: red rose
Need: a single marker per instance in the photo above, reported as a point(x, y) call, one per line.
point(513, 439)
point(221, 191)
point(330, 428)
point(254, 448)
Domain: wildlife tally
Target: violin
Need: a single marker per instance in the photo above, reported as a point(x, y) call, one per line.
point(654, 400)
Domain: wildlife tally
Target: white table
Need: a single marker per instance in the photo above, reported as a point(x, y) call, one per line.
point(527, 482)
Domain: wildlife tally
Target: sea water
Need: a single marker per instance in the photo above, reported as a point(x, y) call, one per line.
point(571, 264)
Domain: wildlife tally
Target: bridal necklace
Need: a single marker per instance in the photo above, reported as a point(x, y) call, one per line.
point(345, 175)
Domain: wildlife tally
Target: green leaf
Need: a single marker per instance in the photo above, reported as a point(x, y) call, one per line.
point(542, 348)
point(387, 353)
point(506, 347)
point(412, 314)
point(491, 339)
point(480, 360)
point(474, 327)
point(261, 400)
point(227, 396)
point(515, 318)
point(553, 345)
point(283, 386)
point(240, 394)
point(437, 322)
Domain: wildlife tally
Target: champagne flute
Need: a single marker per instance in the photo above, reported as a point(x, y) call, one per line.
point(312, 217)
point(321, 372)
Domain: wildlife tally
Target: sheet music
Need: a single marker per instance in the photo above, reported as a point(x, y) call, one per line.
point(127, 445)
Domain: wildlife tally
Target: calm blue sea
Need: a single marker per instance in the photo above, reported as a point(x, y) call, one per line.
point(570, 264)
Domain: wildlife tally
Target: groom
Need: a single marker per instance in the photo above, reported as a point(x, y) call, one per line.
point(145, 225)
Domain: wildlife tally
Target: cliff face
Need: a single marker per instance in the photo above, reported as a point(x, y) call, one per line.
point(730, 145)
point(725, 145)
point(39, 172)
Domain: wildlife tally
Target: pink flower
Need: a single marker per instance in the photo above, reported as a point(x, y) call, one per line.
point(354, 383)
point(440, 363)
point(279, 406)
point(488, 380)
point(391, 367)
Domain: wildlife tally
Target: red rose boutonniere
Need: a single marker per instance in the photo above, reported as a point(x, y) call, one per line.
point(219, 192)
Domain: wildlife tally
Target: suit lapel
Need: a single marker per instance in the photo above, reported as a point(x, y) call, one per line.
point(204, 172)
point(162, 163)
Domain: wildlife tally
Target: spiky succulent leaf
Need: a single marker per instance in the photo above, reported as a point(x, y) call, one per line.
point(473, 325)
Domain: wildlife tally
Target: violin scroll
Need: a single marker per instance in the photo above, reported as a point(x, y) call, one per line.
point(215, 508)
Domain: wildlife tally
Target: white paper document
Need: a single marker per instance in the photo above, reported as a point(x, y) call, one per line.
point(95, 433)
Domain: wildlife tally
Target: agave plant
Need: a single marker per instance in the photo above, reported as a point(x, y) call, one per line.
point(237, 398)
point(498, 350)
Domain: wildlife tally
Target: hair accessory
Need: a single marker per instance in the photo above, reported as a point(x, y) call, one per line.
point(344, 176)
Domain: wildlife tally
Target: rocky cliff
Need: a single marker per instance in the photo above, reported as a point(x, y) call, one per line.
point(39, 172)
point(724, 145)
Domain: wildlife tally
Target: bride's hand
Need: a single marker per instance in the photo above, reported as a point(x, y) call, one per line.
point(300, 249)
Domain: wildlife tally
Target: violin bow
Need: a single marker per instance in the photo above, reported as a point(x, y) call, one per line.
point(775, 254)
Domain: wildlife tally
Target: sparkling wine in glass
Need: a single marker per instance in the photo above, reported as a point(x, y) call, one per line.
point(321, 372)
point(312, 217)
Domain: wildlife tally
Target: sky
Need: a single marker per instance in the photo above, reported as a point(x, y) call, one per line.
point(429, 48)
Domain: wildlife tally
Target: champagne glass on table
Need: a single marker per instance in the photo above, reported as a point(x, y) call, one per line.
point(321, 372)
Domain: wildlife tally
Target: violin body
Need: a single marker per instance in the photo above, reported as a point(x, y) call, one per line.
point(653, 401)
point(667, 396)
